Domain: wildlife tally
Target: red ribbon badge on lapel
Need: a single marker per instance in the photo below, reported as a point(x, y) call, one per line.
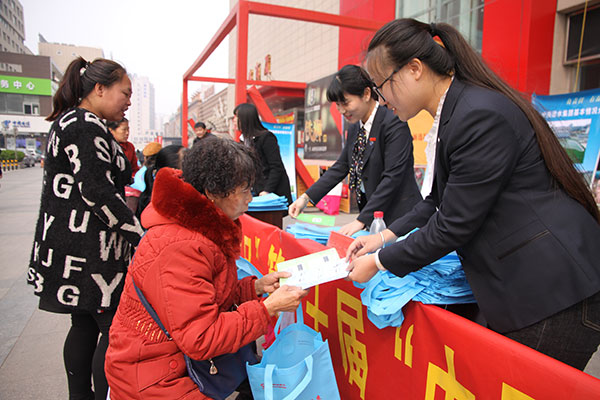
point(372, 139)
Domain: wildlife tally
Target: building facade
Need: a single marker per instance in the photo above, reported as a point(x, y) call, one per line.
point(532, 44)
point(287, 50)
point(211, 108)
point(26, 98)
point(12, 27)
point(62, 54)
point(141, 113)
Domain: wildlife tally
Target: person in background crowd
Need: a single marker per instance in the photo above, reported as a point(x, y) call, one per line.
point(149, 157)
point(378, 155)
point(85, 232)
point(505, 195)
point(273, 178)
point(150, 152)
point(120, 131)
point(185, 267)
point(140, 156)
point(201, 132)
point(170, 156)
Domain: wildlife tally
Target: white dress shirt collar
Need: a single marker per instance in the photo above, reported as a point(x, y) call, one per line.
point(369, 124)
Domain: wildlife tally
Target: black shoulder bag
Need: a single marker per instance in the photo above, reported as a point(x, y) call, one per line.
point(217, 377)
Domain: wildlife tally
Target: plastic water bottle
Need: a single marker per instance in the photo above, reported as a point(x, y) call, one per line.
point(378, 224)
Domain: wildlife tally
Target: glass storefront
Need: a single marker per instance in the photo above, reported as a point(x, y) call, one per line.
point(465, 15)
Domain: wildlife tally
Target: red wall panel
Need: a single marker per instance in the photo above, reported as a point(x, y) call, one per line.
point(354, 42)
point(518, 38)
point(517, 42)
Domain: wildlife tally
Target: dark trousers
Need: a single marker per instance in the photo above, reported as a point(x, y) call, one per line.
point(571, 336)
point(84, 355)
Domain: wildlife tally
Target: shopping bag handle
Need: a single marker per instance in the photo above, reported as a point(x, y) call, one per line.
point(299, 319)
point(298, 389)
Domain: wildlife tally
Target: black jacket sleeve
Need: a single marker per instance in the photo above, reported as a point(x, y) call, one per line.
point(332, 176)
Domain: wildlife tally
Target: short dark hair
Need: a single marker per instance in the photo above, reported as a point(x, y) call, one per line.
point(115, 124)
point(219, 166)
point(200, 125)
point(350, 79)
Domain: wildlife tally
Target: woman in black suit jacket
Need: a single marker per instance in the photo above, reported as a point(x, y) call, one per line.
point(274, 179)
point(388, 178)
point(505, 196)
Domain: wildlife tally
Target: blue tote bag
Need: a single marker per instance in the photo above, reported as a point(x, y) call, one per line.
point(296, 366)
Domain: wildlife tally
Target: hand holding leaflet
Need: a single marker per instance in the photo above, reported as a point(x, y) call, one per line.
point(314, 269)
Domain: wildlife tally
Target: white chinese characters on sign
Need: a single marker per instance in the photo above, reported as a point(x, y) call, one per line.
point(17, 84)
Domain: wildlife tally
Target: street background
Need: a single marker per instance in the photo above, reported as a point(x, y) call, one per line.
point(31, 340)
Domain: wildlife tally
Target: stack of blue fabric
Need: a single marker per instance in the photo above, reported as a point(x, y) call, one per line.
point(268, 202)
point(442, 282)
point(319, 234)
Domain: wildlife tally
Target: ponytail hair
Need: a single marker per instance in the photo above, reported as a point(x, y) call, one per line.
point(79, 80)
point(350, 79)
point(446, 52)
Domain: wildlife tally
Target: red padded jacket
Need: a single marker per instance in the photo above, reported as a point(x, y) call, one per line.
point(185, 266)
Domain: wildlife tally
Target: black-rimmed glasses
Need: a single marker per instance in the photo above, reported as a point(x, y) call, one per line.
point(377, 89)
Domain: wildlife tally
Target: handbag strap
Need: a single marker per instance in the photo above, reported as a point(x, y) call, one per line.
point(149, 308)
point(308, 361)
point(299, 319)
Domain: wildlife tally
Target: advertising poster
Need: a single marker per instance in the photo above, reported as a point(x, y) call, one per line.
point(575, 118)
point(285, 138)
point(322, 138)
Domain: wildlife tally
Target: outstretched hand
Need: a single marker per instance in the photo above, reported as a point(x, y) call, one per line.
point(270, 282)
point(362, 269)
point(297, 206)
point(286, 298)
point(351, 228)
point(363, 245)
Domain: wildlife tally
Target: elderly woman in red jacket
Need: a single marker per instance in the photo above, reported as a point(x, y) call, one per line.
point(185, 266)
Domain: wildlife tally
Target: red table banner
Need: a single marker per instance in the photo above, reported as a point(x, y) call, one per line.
point(434, 355)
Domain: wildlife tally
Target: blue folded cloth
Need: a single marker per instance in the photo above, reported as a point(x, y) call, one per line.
point(441, 282)
point(319, 234)
point(268, 202)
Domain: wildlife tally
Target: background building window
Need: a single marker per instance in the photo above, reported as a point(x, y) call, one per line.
point(31, 105)
point(11, 103)
point(590, 48)
point(465, 15)
point(14, 103)
point(590, 76)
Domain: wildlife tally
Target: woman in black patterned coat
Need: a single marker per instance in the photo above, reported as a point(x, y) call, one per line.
point(85, 232)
